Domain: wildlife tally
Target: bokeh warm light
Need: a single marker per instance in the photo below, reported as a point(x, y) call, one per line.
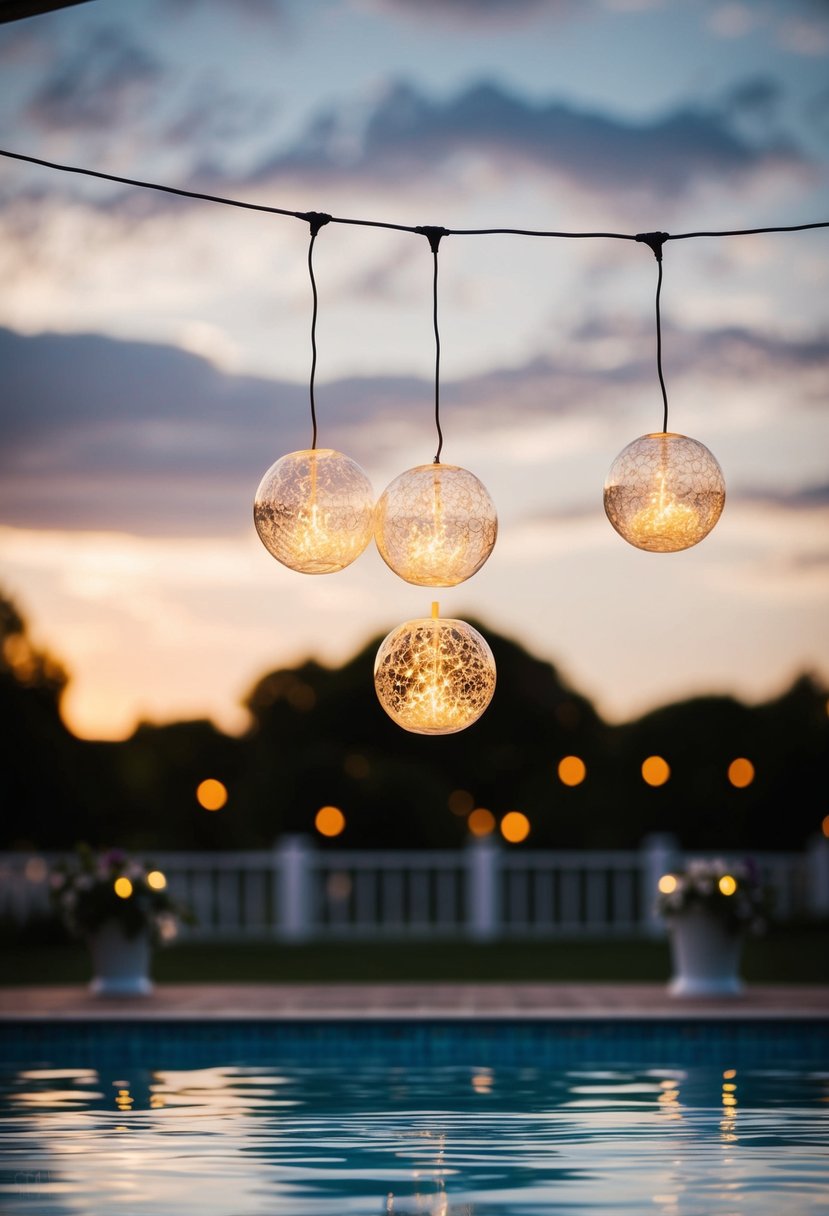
point(667, 884)
point(825, 825)
point(329, 821)
point(655, 770)
point(122, 887)
point(727, 884)
point(741, 772)
point(571, 770)
point(515, 827)
point(156, 880)
point(481, 822)
point(211, 794)
point(461, 802)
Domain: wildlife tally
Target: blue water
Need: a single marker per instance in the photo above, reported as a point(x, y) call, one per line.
point(369, 1133)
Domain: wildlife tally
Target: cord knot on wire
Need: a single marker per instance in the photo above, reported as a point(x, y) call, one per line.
point(316, 219)
point(433, 235)
point(655, 240)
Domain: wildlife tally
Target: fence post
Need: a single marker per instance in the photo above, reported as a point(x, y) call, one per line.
point(817, 869)
point(483, 903)
point(659, 856)
point(293, 863)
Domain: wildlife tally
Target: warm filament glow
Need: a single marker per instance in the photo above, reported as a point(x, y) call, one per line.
point(667, 884)
point(434, 676)
point(122, 887)
point(435, 525)
point(314, 511)
point(727, 884)
point(664, 492)
point(156, 880)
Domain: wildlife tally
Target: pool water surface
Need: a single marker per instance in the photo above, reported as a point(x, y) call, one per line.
point(488, 1136)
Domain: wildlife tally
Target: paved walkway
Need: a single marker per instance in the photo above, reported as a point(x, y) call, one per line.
point(411, 1000)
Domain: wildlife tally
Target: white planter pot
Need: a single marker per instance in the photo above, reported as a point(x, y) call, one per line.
point(120, 964)
point(706, 955)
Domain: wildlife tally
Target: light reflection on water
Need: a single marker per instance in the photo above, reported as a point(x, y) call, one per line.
point(437, 1141)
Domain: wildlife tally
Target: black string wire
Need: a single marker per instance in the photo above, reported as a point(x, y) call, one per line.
point(313, 338)
point(659, 351)
point(437, 354)
point(339, 219)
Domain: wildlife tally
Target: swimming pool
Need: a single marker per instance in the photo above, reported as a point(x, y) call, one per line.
point(445, 1118)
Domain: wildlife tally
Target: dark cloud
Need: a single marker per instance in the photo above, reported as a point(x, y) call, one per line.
point(102, 83)
point(100, 433)
point(804, 498)
point(407, 134)
point(143, 438)
point(479, 13)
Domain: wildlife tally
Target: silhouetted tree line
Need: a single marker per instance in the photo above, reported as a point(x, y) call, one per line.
point(319, 736)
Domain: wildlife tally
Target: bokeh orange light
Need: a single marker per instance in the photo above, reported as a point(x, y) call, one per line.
point(156, 880)
point(329, 821)
point(515, 827)
point(825, 825)
point(571, 770)
point(481, 822)
point(461, 802)
point(655, 770)
point(741, 772)
point(211, 794)
point(667, 884)
point(122, 887)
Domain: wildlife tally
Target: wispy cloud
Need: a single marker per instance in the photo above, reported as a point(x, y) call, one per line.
point(407, 131)
point(101, 84)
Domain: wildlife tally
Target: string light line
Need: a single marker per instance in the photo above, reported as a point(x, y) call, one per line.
point(370, 223)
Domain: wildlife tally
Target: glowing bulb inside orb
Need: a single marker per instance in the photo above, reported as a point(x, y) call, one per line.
point(435, 525)
point(314, 511)
point(664, 492)
point(434, 676)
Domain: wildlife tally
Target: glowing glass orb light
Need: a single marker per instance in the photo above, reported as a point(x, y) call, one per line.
point(727, 884)
point(314, 511)
point(435, 525)
point(122, 887)
point(434, 676)
point(664, 492)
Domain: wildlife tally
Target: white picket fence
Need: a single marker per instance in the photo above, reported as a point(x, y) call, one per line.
point(482, 892)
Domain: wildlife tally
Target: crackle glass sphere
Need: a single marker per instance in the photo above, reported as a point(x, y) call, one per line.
point(434, 676)
point(314, 510)
point(664, 492)
point(435, 525)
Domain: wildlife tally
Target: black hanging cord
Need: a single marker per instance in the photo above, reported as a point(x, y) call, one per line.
point(656, 240)
point(316, 219)
point(433, 236)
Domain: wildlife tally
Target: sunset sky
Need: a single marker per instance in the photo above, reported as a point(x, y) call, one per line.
point(155, 351)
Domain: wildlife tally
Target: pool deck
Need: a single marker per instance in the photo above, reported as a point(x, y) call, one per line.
point(275, 1002)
